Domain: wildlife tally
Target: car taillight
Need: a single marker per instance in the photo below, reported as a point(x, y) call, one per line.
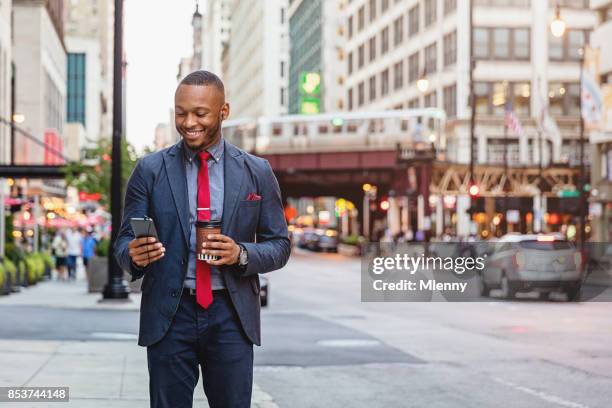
point(519, 260)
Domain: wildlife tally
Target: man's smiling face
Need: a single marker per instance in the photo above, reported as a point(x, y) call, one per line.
point(198, 113)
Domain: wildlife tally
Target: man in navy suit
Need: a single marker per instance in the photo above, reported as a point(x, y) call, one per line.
point(182, 328)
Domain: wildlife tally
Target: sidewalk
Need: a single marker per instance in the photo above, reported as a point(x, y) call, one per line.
point(99, 373)
point(67, 295)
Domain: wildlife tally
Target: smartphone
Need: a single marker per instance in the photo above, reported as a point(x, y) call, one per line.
point(144, 227)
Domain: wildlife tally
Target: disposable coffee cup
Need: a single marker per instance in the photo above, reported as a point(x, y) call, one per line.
point(203, 230)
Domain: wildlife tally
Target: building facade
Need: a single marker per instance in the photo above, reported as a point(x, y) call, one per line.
point(216, 34)
point(256, 83)
point(40, 70)
point(6, 74)
point(520, 72)
point(89, 69)
point(317, 40)
point(601, 167)
point(393, 44)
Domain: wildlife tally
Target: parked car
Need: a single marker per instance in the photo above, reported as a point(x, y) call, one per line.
point(542, 263)
point(309, 239)
point(328, 240)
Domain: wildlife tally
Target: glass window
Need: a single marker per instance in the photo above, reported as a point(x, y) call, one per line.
point(372, 46)
point(481, 42)
point(350, 63)
point(450, 100)
point(398, 75)
point(556, 96)
point(501, 43)
point(430, 12)
point(576, 40)
point(360, 18)
point(573, 99)
point(350, 99)
point(449, 6)
point(361, 93)
point(555, 47)
point(372, 88)
point(384, 40)
point(521, 43)
point(361, 55)
point(384, 82)
point(481, 90)
point(413, 21)
point(499, 97)
point(398, 31)
point(372, 10)
point(413, 67)
point(431, 100)
point(431, 61)
point(522, 98)
point(350, 27)
point(384, 5)
point(413, 103)
point(450, 48)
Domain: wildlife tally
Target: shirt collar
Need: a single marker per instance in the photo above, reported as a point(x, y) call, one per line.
point(216, 150)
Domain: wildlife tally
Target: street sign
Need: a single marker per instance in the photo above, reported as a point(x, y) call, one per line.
point(310, 83)
point(310, 105)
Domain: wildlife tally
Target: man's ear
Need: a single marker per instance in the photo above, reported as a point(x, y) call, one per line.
point(225, 111)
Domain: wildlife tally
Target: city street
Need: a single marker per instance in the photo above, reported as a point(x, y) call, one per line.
point(317, 335)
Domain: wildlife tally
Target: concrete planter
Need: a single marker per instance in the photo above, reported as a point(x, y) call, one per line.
point(97, 276)
point(348, 250)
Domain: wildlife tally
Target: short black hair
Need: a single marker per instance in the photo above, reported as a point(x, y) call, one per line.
point(203, 78)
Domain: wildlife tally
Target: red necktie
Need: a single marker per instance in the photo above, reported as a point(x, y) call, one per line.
point(203, 284)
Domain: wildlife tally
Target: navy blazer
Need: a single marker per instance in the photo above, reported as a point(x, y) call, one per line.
point(158, 188)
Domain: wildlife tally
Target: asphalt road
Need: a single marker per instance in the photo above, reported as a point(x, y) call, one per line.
point(323, 347)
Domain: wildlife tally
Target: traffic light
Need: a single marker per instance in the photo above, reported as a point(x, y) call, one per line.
point(384, 204)
point(474, 190)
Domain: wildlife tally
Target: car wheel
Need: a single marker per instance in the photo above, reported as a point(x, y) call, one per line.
point(573, 295)
point(544, 295)
point(507, 290)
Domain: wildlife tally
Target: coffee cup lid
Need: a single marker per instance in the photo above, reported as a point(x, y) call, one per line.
point(209, 224)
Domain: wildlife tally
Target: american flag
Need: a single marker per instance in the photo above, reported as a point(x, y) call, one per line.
point(512, 121)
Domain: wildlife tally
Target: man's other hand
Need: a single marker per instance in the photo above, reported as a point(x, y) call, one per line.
point(146, 250)
point(222, 246)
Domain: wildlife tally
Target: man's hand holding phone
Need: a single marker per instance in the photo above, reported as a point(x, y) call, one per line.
point(145, 250)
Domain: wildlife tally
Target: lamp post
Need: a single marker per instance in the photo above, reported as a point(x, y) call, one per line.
point(472, 106)
point(558, 28)
point(116, 288)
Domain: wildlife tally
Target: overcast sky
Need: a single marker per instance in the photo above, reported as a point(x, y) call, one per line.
point(157, 35)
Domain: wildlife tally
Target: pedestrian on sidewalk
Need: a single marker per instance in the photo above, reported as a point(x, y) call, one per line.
point(195, 313)
point(74, 238)
point(88, 244)
point(60, 250)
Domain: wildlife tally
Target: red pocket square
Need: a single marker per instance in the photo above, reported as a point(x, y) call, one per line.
point(253, 197)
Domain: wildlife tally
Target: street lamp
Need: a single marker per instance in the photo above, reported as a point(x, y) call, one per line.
point(558, 25)
point(423, 83)
point(558, 29)
point(115, 287)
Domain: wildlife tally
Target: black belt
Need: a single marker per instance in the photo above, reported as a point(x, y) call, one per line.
point(192, 292)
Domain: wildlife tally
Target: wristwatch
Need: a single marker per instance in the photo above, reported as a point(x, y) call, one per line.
point(243, 256)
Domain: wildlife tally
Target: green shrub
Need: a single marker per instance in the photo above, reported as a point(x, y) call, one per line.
point(103, 247)
point(3, 277)
point(14, 252)
point(48, 260)
point(352, 240)
point(11, 271)
point(21, 271)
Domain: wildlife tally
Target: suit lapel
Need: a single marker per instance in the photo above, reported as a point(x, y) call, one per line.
point(175, 168)
point(234, 174)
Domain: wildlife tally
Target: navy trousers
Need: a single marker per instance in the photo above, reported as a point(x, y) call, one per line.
point(211, 338)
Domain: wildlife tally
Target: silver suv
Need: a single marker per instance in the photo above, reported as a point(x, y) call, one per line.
point(525, 263)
